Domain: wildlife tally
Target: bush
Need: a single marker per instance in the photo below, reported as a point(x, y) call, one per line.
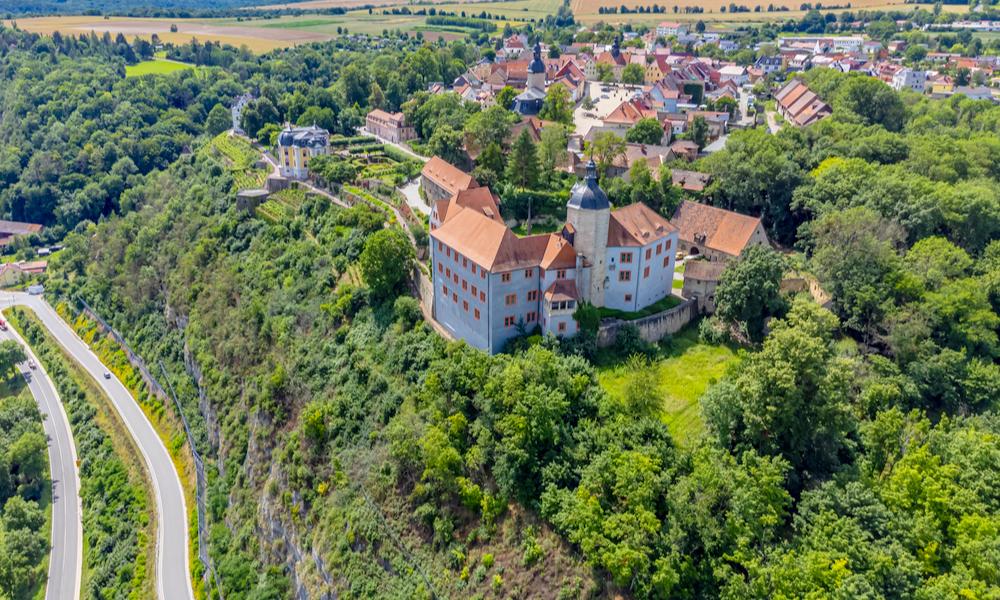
point(588, 317)
point(629, 342)
point(407, 310)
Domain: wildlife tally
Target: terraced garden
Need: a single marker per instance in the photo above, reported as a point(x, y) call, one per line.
point(240, 156)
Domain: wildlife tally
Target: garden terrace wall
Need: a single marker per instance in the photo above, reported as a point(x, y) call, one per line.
point(652, 328)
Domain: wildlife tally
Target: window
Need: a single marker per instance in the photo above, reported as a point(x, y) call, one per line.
point(505, 277)
point(465, 305)
point(465, 262)
point(645, 273)
point(440, 247)
point(482, 272)
point(444, 289)
point(447, 272)
point(666, 261)
point(465, 284)
point(508, 321)
point(475, 313)
point(628, 297)
point(510, 299)
point(649, 253)
point(454, 297)
point(448, 252)
point(533, 296)
point(626, 258)
point(667, 247)
point(482, 296)
point(562, 327)
point(440, 267)
point(528, 273)
point(454, 277)
point(659, 249)
point(561, 274)
point(475, 292)
point(624, 275)
point(531, 317)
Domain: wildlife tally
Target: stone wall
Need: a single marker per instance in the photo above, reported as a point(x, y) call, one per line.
point(652, 328)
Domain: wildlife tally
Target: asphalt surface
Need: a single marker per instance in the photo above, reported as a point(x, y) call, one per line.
point(66, 554)
point(172, 569)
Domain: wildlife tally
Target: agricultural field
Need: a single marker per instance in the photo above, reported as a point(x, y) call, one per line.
point(680, 375)
point(257, 39)
point(586, 11)
point(157, 66)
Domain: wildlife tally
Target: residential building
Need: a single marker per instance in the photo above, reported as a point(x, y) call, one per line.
point(799, 105)
point(715, 233)
point(236, 111)
point(701, 277)
point(735, 73)
point(440, 180)
point(11, 230)
point(769, 64)
point(668, 28)
point(909, 79)
point(14, 273)
point(690, 181)
point(490, 284)
point(389, 126)
point(297, 146)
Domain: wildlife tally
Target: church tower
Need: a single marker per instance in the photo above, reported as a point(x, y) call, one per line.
point(589, 213)
point(530, 101)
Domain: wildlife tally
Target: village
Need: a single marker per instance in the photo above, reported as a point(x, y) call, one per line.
point(645, 106)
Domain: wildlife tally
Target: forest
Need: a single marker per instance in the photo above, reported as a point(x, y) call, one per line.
point(854, 452)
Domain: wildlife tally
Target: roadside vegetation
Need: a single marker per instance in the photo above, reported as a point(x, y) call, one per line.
point(119, 536)
point(25, 487)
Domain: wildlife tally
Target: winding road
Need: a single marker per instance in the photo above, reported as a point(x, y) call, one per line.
point(173, 571)
point(66, 554)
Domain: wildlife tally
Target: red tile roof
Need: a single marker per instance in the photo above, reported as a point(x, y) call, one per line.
point(448, 176)
point(714, 228)
point(636, 225)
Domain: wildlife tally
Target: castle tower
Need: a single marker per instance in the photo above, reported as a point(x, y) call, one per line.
point(589, 212)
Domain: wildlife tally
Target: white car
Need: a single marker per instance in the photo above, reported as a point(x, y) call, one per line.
point(31, 364)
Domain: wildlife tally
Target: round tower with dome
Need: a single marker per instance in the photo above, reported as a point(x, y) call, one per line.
point(589, 213)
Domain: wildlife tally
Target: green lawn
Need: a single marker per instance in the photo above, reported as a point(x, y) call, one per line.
point(157, 66)
point(665, 303)
point(681, 375)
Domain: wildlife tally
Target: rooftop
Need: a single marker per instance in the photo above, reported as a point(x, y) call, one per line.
point(715, 228)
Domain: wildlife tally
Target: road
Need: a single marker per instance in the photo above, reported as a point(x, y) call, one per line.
point(172, 570)
point(66, 554)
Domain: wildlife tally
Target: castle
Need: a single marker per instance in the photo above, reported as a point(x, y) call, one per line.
point(490, 284)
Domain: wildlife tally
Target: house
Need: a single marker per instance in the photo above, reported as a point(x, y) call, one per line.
point(686, 149)
point(975, 93)
point(668, 28)
point(490, 285)
point(296, 146)
point(15, 272)
point(799, 105)
point(735, 73)
point(628, 114)
point(715, 233)
point(701, 277)
point(909, 79)
point(10, 230)
point(769, 64)
point(389, 126)
point(612, 58)
point(690, 181)
point(236, 111)
point(440, 180)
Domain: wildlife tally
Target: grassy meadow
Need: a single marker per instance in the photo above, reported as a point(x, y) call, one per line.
point(680, 374)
